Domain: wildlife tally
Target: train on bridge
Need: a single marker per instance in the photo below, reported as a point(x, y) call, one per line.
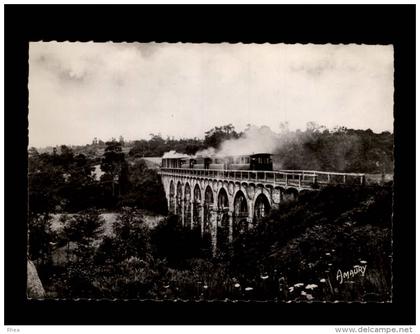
point(225, 196)
point(260, 161)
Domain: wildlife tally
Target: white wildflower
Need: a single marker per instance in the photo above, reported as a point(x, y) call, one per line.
point(311, 286)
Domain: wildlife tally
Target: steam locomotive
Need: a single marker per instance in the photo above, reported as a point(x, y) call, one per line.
point(260, 161)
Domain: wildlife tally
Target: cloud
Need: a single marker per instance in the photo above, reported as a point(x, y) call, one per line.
point(78, 91)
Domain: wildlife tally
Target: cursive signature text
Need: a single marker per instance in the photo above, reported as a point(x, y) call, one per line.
point(345, 275)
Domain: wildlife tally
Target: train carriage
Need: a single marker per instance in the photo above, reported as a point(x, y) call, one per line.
point(178, 162)
point(260, 161)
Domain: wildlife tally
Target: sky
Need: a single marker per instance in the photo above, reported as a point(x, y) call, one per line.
point(78, 91)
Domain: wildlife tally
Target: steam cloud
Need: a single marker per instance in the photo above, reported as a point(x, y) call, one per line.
point(174, 154)
point(253, 140)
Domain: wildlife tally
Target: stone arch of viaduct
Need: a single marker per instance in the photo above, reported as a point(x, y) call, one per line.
point(222, 208)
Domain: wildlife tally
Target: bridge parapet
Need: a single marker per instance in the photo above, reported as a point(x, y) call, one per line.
point(304, 179)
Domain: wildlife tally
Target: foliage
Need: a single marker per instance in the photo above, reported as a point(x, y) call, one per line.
point(132, 236)
point(300, 242)
point(145, 189)
point(309, 240)
point(156, 146)
point(44, 182)
point(64, 182)
point(59, 181)
point(340, 149)
point(80, 230)
point(217, 135)
point(115, 168)
point(293, 254)
point(40, 237)
point(176, 243)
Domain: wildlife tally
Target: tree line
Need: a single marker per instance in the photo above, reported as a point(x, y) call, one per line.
point(63, 181)
point(316, 148)
point(340, 150)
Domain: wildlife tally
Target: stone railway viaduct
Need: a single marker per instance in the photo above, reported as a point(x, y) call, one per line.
point(222, 204)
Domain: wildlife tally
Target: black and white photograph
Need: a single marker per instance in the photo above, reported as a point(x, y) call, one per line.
point(210, 172)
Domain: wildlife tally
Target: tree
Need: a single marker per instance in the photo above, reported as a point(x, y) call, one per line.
point(145, 189)
point(215, 136)
point(140, 148)
point(67, 154)
point(76, 190)
point(40, 237)
point(81, 230)
point(177, 243)
point(83, 167)
point(45, 179)
point(33, 152)
point(112, 164)
point(132, 236)
point(156, 145)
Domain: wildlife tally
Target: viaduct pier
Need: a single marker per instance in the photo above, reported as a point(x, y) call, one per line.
point(222, 204)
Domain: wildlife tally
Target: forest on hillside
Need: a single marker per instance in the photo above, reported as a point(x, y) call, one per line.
point(294, 254)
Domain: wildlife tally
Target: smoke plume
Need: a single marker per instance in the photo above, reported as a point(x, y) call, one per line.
point(254, 140)
point(173, 154)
